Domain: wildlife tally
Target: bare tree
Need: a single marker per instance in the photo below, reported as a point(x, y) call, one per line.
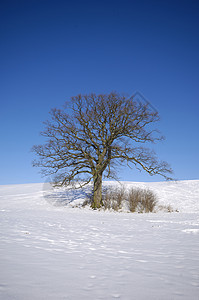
point(92, 135)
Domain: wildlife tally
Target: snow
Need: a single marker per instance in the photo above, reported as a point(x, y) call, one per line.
point(50, 249)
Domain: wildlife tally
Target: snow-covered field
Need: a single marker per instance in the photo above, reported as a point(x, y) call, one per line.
point(49, 250)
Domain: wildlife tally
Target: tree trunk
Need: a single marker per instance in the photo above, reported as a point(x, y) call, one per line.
point(97, 192)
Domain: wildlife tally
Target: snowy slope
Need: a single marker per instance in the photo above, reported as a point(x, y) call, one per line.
point(49, 250)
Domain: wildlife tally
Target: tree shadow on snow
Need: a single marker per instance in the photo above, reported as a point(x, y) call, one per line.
point(64, 196)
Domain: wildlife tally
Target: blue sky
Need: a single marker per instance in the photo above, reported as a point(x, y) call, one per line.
point(52, 50)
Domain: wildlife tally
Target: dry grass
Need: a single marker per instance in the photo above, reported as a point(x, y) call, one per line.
point(141, 200)
point(135, 200)
point(113, 197)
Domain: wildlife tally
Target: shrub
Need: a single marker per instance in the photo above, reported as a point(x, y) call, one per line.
point(137, 199)
point(141, 200)
point(133, 199)
point(112, 198)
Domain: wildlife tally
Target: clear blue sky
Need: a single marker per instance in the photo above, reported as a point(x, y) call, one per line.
point(52, 50)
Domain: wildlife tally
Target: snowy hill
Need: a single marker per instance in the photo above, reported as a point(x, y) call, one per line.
point(49, 250)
